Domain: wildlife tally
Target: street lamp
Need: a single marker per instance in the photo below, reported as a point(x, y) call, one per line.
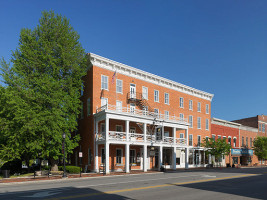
point(64, 173)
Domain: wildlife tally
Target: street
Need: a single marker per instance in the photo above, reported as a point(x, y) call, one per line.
point(245, 183)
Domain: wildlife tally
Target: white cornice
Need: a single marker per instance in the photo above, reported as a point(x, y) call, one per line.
point(146, 76)
point(225, 123)
point(248, 128)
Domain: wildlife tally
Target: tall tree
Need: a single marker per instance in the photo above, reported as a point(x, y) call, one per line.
point(216, 148)
point(260, 148)
point(45, 79)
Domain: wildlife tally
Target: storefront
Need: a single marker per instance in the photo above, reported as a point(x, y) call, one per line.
point(241, 156)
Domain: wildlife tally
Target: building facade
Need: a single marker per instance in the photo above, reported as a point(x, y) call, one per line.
point(132, 119)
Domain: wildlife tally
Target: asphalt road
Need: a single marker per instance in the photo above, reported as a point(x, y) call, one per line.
point(249, 183)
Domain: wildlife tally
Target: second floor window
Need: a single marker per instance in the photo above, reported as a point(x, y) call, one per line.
point(234, 142)
point(119, 86)
point(263, 128)
point(104, 82)
point(166, 114)
point(250, 142)
point(191, 140)
point(181, 116)
point(229, 140)
point(198, 107)
point(166, 98)
point(198, 140)
point(181, 102)
point(190, 121)
point(246, 141)
point(243, 144)
point(145, 92)
point(156, 111)
point(199, 123)
point(181, 135)
point(156, 95)
point(207, 124)
point(190, 105)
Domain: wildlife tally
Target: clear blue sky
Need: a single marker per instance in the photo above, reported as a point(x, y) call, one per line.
point(216, 46)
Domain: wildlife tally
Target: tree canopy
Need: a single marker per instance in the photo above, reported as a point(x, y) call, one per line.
point(260, 148)
point(40, 97)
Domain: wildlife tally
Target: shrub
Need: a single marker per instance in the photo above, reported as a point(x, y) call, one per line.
point(70, 169)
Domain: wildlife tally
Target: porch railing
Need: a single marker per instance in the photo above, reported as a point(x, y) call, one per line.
point(137, 137)
point(134, 111)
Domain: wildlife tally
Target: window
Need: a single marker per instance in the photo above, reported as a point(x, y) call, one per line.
point(103, 157)
point(104, 82)
point(224, 137)
point(166, 134)
point(181, 135)
point(118, 156)
point(132, 156)
point(207, 124)
point(207, 137)
point(103, 128)
point(104, 101)
point(207, 108)
point(145, 92)
point(132, 108)
point(260, 127)
point(181, 102)
point(82, 111)
point(190, 140)
point(246, 141)
point(250, 142)
point(190, 121)
point(198, 107)
point(213, 137)
point(145, 110)
point(181, 116)
point(119, 86)
point(156, 111)
point(90, 157)
point(199, 122)
point(119, 106)
point(156, 95)
point(166, 114)
point(166, 98)
point(198, 140)
point(243, 144)
point(88, 106)
point(229, 140)
point(190, 105)
point(119, 128)
point(234, 142)
point(263, 128)
point(219, 137)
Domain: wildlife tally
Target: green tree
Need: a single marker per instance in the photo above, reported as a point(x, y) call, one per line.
point(216, 148)
point(260, 148)
point(41, 94)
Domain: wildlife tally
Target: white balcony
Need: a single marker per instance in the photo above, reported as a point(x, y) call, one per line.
point(114, 136)
point(137, 112)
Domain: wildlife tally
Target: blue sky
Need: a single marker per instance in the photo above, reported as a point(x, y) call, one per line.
point(216, 46)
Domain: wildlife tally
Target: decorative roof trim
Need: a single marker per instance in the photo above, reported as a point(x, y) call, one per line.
point(146, 76)
point(225, 123)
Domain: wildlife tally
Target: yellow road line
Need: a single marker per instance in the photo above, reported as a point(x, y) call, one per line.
point(151, 187)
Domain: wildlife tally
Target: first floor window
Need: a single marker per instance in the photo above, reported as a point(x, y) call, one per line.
point(219, 137)
point(190, 140)
point(198, 140)
point(103, 157)
point(234, 142)
point(118, 128)
point(132, 156)
point(156, 111)
point(119, 156)
point(229, 140)
point(181, 135)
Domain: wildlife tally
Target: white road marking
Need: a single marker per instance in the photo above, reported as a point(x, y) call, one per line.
point(42, 194)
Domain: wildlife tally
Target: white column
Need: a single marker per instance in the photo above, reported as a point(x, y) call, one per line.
point(145, 158)
point(174, 135)
point(204, 158)
point(174, 158)
point(96, 159)
point(199, 157)
point(107, 128)
point(127, 130)
point(127, 158)
point(107, 158)
point(162, 136)
point(144, 132)
point(194, 157)
point(160, 157)
point(186, 149)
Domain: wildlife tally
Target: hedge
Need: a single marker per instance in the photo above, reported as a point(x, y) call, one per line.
point(70, 169)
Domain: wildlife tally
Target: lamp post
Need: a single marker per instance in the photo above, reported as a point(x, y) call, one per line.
point(64, 173)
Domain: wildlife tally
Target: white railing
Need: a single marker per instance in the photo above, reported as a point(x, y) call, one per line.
point(137, 137)
point(135, 111)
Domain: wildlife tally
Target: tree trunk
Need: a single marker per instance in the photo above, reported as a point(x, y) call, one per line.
point(54, 164)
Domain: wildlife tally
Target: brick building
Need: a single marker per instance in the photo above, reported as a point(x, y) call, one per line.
point(241, 139)
point(132, 119)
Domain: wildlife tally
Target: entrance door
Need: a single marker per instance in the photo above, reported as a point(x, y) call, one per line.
point(132, 91)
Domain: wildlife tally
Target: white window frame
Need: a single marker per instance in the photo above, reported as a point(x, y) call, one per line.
point(181, 116)
point(156, 96)
point(198, 106)
point(190, 104)
point(207, 109)
point(198, 141)
point(119, 108)
point(234, 141)
point(230, 140)
point(198, 122)
point(190, 121)
point(167, 114)
point(207, 125)
point(119, 86)
point(156, 113)
point(181, 134)
point(191, 140)
point(103, 82)
point(121, 157)
point(181, 104)
point(167, 98)
point(132, 108)
point(145, 94)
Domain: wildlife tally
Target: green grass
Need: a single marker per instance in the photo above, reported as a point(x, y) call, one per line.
point(22, 175)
